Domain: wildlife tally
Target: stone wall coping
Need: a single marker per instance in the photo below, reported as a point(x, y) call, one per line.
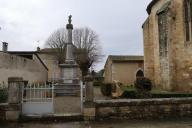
point(9, 107)
point(141, 102)
point(4, 104)
point(15, 79)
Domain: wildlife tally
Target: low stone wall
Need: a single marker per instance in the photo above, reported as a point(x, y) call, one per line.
point(143, 108)
point(9, 112)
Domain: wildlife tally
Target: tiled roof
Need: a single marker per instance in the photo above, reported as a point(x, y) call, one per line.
point(48, 50)
point(125, 58)
point(149, 7)
point(28, 55)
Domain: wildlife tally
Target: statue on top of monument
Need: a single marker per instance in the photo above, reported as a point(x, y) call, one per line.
point(69, 20)
point(69, 25)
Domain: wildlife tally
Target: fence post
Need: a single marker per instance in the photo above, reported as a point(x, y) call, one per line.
point(15, 85)
point(89, 105)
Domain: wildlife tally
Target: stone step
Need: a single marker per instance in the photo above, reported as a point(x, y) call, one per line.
point(68, 84)
point(67, 94)
point(67, 89)
point(63, 93)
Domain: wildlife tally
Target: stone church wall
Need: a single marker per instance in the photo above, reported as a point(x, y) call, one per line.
point(179, 56)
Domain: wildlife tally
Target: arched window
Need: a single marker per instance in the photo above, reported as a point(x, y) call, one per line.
point(188, 19)
point(139, 74)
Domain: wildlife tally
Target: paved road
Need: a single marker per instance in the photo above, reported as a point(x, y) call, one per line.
point(111, 124)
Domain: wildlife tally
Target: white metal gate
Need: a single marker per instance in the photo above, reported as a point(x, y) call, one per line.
point(37, 99)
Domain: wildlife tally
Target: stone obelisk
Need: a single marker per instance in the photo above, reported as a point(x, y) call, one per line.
point(69, 51)
point(69, 68)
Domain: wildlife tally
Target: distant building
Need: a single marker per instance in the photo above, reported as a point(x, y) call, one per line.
point(98, 76)
point(49, 58)
point(123, 69)
point(34, 66)
point(168, 44)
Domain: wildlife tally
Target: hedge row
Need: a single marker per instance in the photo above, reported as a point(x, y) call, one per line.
point(3, 95)
point(106, 89)
point(133, 94)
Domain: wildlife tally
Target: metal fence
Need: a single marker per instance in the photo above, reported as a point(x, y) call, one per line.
point(38, 99)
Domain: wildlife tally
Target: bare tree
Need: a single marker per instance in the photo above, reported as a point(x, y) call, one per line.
point(86, 41)
point(57, 42)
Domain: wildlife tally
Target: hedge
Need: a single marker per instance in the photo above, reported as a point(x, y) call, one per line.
point(97, 83)
point(106, 89)
point(132, 94)
point(3, 95)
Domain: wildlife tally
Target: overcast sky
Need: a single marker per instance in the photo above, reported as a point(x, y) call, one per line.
point(117, 22)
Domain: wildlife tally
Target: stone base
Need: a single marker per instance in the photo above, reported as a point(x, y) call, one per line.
point(67, 90)
point(89, 114)
point(12, 115)
point(9, 112)
point(89, 111)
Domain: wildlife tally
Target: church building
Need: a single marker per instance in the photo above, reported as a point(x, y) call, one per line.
point(168, 44)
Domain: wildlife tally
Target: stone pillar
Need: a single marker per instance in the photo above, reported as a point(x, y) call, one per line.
point(89, 94)
point(89, 105)
point(14, 97)
point(15, 90)
point(69, 51)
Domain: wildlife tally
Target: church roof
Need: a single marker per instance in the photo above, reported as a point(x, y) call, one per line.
point(149, 7)
point(48, 50)
point(125, 58)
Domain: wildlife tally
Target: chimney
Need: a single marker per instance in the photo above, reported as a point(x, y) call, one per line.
point(4, 46)
point(38, 49)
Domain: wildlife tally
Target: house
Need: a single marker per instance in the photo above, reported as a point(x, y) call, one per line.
point(25, 64)
point(123, 69)
point(168, 44)
point(50, 59)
